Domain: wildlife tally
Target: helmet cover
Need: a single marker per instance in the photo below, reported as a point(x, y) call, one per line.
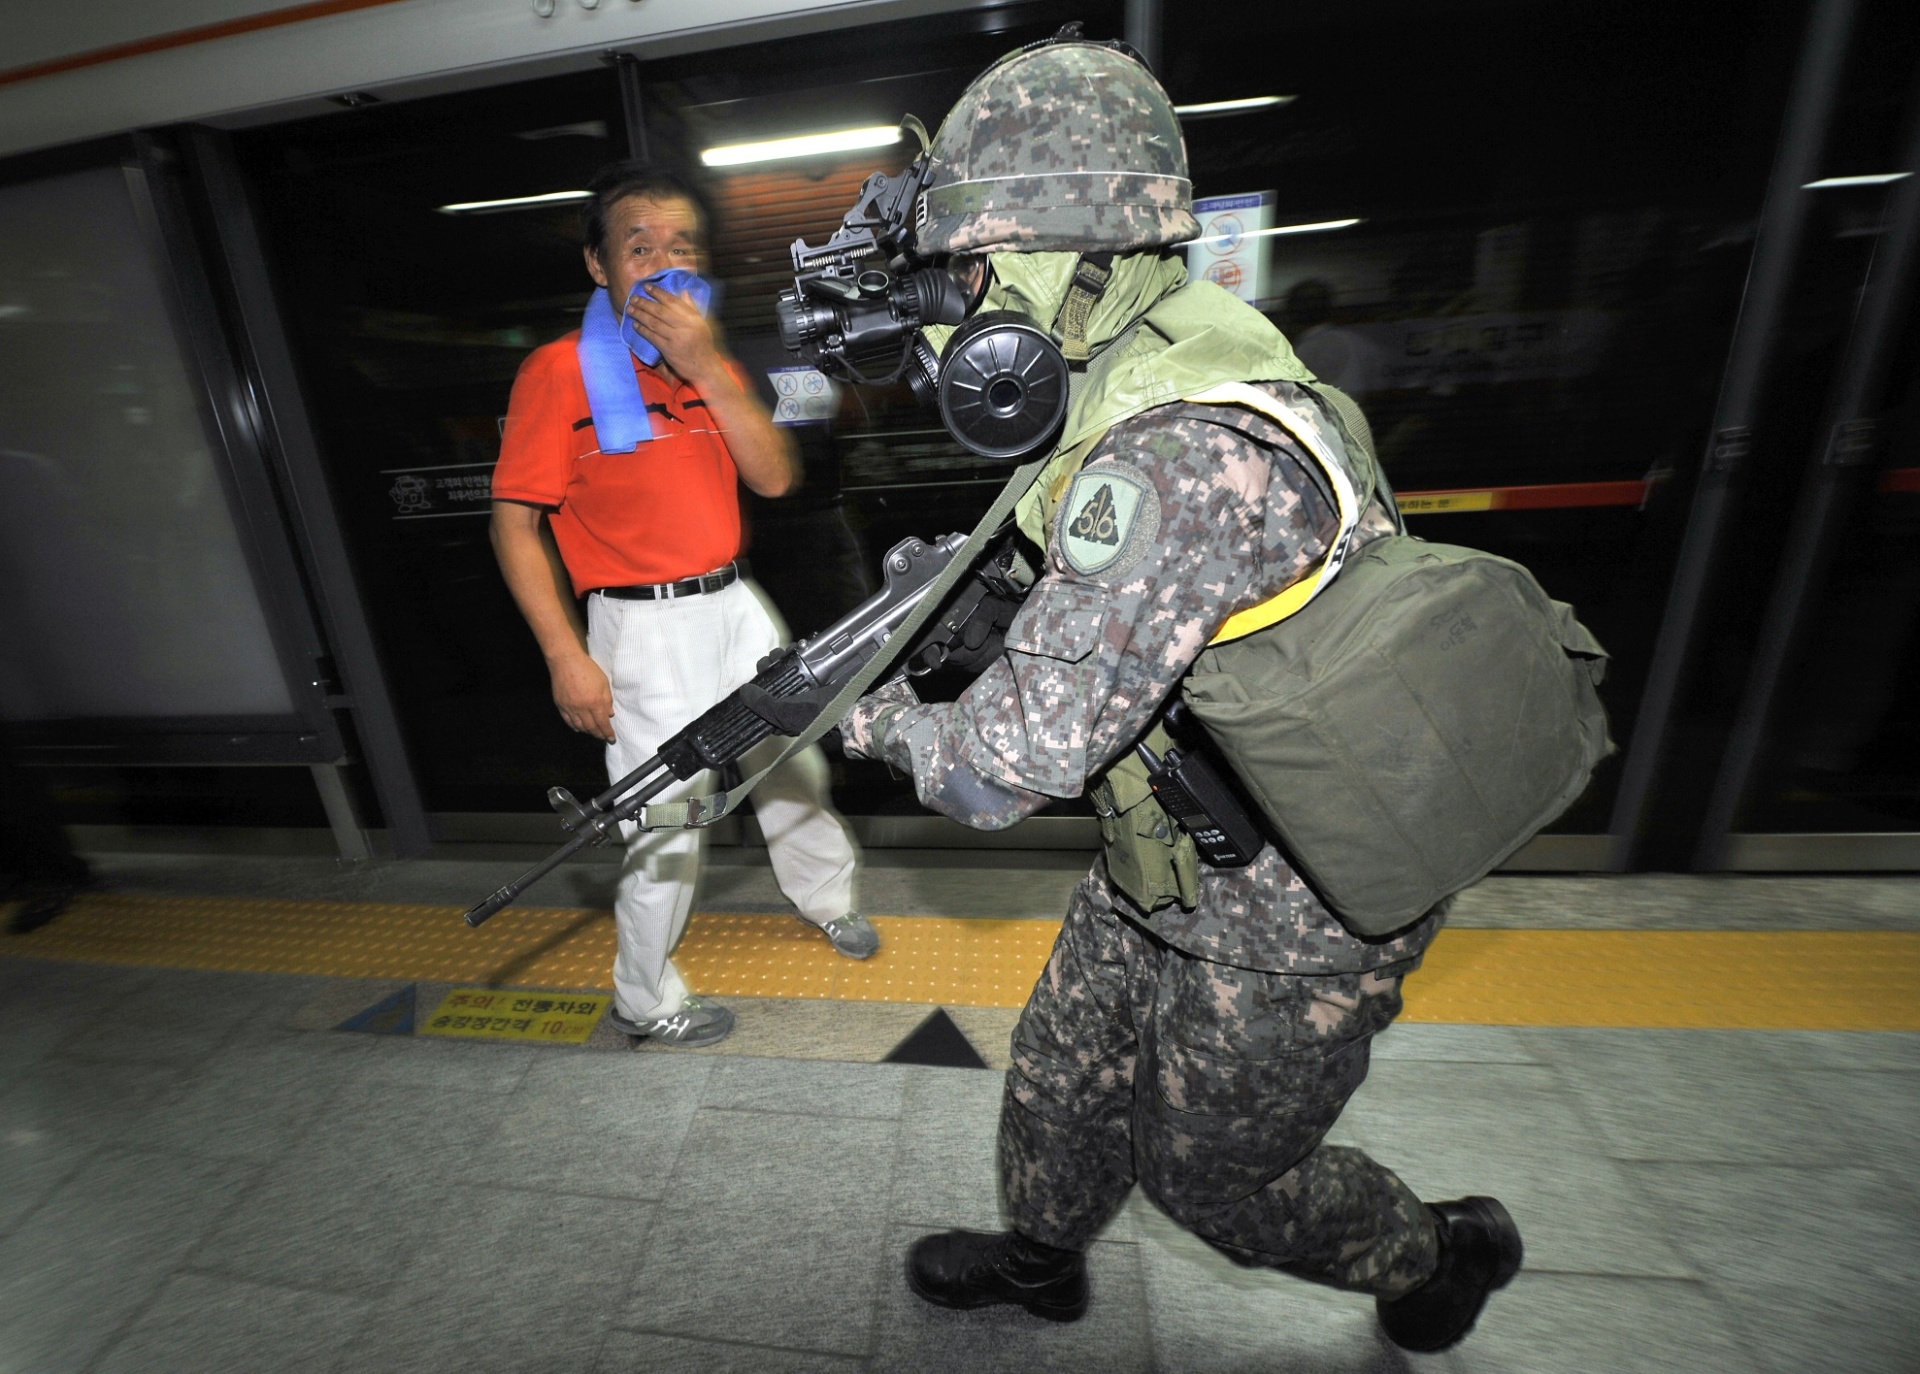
point(1067, 146)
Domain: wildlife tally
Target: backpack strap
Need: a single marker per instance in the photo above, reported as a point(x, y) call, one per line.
point(1349, 504)
point(1358, 434)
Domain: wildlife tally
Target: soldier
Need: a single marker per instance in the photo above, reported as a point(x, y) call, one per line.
point(1197, 1030)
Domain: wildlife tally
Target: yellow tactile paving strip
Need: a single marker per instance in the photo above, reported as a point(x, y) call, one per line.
point(1735, 980)
point(1682, 979)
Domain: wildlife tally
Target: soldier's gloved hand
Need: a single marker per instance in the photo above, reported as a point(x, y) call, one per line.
point(787, 715)
point(983, 637)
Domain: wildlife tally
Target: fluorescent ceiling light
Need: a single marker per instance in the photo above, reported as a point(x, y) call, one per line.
point(1226, 107)
point(487, 207)
point(806, 145)
point(1318, 227)
point(1879, 179)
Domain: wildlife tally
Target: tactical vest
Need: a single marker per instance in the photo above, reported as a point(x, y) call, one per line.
point(1149, 857)
point(1191, 344)
point(1403, 734)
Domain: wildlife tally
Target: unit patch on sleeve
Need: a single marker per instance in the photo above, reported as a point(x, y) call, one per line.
point(1109, 519)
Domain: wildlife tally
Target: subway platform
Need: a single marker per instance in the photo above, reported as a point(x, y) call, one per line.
point(1700, 1097)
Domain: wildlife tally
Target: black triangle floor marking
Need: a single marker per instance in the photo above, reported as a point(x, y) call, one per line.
point(937, 1041)
point(389, 1016)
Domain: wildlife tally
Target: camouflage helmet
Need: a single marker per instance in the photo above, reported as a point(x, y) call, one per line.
point(1069, 145)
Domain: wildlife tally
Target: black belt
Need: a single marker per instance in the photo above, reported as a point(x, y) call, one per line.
point(673, 591)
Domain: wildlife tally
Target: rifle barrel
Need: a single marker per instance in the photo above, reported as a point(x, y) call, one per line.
point(481, 912)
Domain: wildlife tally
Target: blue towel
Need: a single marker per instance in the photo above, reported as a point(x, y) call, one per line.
point(677, 281)
point(609, 344)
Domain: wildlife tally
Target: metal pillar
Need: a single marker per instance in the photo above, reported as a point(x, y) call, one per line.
point(1776, 246)
point(348, 833)
point(1144, 30)
point(1837, 471)
point(627, 68)
point(283, 420)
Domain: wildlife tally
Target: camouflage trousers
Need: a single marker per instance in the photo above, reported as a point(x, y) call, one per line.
point(1213, 1087)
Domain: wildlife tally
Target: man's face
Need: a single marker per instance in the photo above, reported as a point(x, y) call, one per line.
point(647, 234)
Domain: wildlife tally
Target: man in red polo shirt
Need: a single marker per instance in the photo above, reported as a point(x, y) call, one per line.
point(649, 537)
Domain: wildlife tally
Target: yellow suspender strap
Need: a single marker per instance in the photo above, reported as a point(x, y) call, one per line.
point(1275, 609)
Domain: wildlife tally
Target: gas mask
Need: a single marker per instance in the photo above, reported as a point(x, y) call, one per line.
point(998, 379)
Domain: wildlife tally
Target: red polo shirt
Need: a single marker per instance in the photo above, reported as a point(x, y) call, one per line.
point(668, 510)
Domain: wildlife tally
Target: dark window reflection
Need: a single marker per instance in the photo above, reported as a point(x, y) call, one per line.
point(1556, 209)
point(410, 324)
point(1845, 751)
point(1555, 213)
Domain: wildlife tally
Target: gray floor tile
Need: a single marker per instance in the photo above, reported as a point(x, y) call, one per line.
point(1113, 1337)
point(1210, 1316)
point(1566, 1324)
point(1850, 1051)
point(509, 1281)
point(285, 995)
point(1881, 1112)
point(250, 1099)
point(806, 1089)
point(1689, 1095)
point(200, 1324)
point(44, 1004)
point(33, 1163)
point(602, 1124)
point(83, 1100)
point(646, 1352)
point(1519, 1108)
point(99, 1249)
point(944, 1170)
point(22, 979)
point(1469, 1044)
point(1813, 1263)
point(348, 1204)
point(1577, 1215)
point(799, 1204)
point(32, 1029)
point(449, 1063)
point(177, 1018)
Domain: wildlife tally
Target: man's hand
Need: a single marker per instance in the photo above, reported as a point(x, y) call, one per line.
point(675, 326)
point(584, 696)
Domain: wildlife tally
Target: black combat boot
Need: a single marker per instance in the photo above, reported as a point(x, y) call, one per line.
point(971, 1269)
point(1479, 1251)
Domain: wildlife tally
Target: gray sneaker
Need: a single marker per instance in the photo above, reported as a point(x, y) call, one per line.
point(853, 935)
point(698, 1022)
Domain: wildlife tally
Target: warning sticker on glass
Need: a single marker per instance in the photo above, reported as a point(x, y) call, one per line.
point(803, 396)
point(1437, 502)
point(561, 1018)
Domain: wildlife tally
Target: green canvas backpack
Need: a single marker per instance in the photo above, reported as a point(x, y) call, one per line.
point(1406, 719)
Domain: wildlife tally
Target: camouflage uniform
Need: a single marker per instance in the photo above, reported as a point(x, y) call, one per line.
point(1204, 1052)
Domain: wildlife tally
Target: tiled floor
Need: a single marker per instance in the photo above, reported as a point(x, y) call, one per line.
point(191, 1180)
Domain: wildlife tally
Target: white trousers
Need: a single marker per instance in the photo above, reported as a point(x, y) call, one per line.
point(669, 661)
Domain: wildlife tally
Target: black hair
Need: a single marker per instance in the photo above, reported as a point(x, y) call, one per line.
point(616, 181)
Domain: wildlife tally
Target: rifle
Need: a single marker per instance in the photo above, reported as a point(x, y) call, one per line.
point(826, 660)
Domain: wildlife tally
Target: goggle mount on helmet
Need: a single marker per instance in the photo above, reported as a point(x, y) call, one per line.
point(1001, 382)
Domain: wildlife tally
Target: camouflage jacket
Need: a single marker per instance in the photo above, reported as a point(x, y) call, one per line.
point(1182, 516)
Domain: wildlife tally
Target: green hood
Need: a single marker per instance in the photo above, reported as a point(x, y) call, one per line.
point(1192, 336)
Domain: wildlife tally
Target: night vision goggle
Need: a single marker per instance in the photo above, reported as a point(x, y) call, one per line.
point(859, 302)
